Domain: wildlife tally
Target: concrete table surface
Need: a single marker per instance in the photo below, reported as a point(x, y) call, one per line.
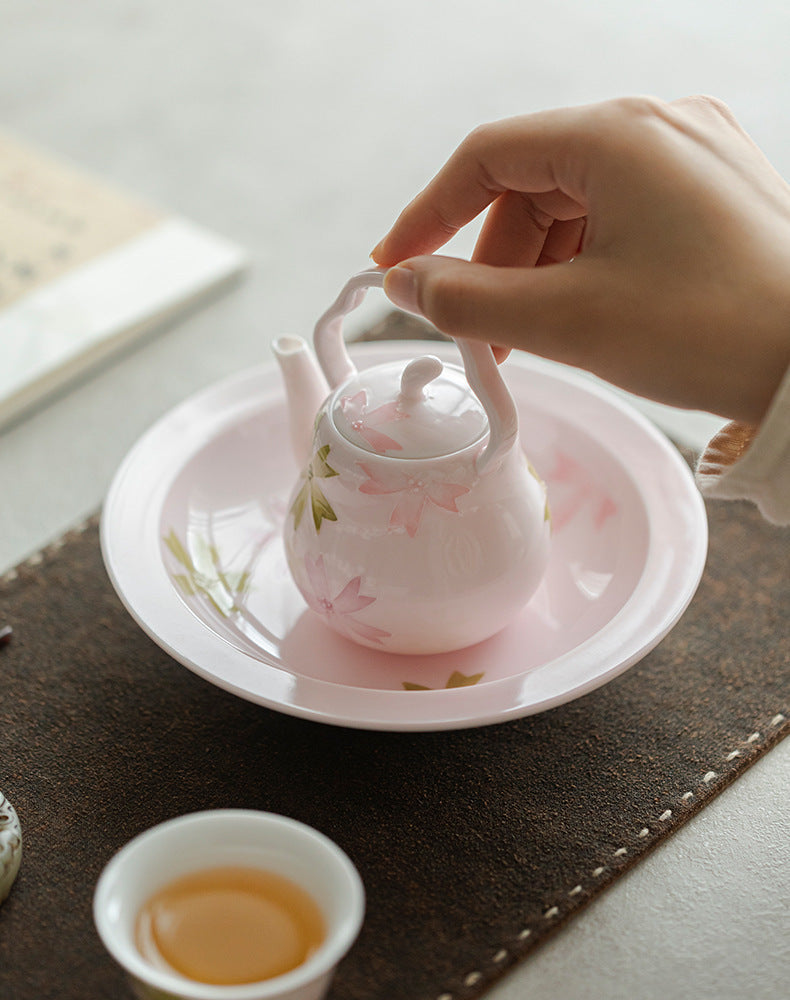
point(299, 130)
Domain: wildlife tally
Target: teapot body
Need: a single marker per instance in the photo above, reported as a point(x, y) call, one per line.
point(415, 555)
point(417, 525)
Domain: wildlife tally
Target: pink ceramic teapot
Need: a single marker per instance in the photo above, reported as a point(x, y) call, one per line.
point(417, 524)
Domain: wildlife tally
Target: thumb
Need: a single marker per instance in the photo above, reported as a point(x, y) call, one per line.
point(535, 309)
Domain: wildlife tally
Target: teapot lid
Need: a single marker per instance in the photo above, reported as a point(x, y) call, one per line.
point(415, 409)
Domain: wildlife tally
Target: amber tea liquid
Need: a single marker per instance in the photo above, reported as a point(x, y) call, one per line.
point(230, 925)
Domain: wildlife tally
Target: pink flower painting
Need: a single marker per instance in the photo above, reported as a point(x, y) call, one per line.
point(412, 493)
point(573, 490)
point(366, 424)
point(339, 610)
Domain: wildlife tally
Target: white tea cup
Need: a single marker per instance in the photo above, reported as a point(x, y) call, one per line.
point(230, 837)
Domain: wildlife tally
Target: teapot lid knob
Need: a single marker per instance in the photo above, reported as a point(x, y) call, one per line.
point(416, 375)
point(416, 409)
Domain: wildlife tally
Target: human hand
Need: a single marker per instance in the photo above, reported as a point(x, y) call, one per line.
point(648, 242)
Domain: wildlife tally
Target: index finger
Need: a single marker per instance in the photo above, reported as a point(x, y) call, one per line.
point(537, 154)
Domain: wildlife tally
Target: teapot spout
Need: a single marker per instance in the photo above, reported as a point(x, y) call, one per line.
point(305, 388)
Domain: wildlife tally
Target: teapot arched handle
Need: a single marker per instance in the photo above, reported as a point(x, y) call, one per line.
point(328, 342)
point(482, 371)
point(486, 382)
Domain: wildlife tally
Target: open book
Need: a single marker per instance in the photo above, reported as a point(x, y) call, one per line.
point(84, 268)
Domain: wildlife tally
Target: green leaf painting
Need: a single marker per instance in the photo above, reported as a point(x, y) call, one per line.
point(204, 575)
point(312, 494)
point(455, 680)
point(534, 473)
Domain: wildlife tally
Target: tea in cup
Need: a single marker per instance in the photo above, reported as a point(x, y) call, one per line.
point(231, 904)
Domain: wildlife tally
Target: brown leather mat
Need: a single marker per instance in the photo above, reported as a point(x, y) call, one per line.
point(474, 846)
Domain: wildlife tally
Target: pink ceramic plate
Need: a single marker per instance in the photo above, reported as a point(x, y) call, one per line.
point(191, 537)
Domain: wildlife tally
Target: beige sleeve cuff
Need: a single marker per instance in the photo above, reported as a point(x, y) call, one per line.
point(752, 463)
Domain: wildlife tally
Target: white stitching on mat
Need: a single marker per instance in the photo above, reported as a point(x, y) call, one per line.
point(473, 978)
point(48, 550)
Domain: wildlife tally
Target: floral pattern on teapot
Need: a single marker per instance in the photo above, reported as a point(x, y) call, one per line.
point(310, 492)
point(355, 409)
point(409, 492)
point(339, 611)
point(412, 491)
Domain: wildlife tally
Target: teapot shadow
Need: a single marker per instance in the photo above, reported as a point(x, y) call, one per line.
point(361, 666)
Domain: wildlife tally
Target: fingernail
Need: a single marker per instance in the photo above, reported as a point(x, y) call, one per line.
point(400, 287)
point(374, 252)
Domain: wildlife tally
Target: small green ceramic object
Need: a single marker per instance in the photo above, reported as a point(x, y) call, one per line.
point(10, 846)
